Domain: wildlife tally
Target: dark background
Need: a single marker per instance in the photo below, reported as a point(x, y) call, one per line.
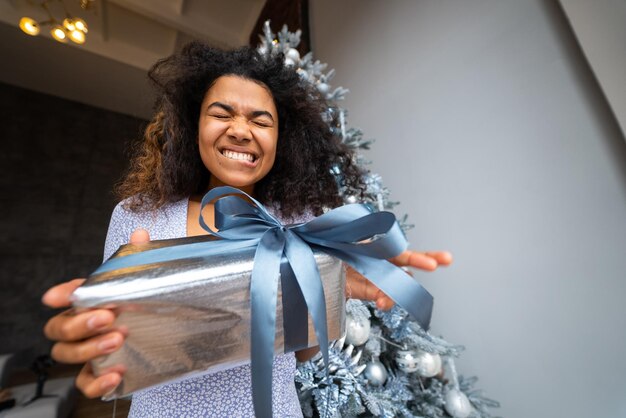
point(59, 162)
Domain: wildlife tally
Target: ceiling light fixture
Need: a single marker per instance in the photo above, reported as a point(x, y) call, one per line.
point(68, 24)
point(58, 33)
point(77, 36)
point(29, 26)
point(72, 28)
point(80, 24)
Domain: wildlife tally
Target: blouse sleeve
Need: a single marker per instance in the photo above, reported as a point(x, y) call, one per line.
point(169, 221)
point(119, 230)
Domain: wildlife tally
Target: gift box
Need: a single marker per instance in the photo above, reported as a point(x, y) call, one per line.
point(193, 306)
point(191, 316)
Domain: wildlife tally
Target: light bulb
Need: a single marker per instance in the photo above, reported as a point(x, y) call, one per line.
point(29, 26)
point(58, 33)
point(80, 24)
point(77, 36)
point(68, 24)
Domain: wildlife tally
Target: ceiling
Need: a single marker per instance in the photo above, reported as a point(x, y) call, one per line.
point(125, 38)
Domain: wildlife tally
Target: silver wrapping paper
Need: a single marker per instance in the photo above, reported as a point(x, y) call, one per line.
point(192, 316)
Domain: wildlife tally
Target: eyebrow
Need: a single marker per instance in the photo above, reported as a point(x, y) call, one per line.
point(251, 115)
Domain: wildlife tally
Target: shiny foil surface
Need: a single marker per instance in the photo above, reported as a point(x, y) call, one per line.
point(192, 316)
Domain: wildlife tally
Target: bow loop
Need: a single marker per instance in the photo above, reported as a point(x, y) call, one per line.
point(233, 213)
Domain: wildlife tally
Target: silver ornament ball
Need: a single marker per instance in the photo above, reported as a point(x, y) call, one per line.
point(406, 360)
point(424, 363)
point(457, 404)
point(375, 373)
point(429, 364)
point(293, 54)
point(357, 332)
point(323, 88)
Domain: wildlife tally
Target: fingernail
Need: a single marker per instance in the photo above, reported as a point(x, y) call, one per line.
point(97, 322)
point(108, 384)
point(108, 345)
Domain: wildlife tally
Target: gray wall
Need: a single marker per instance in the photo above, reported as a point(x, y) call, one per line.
point(494, 135)
point(59, 161)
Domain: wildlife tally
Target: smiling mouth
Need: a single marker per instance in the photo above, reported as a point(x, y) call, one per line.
point(239, 156)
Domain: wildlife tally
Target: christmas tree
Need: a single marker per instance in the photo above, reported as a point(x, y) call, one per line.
point(386, 365)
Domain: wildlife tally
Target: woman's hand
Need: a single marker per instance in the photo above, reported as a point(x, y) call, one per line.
point(358, 287)
point(83, 336)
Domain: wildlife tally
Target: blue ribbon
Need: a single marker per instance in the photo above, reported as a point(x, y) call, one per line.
point(352, 233)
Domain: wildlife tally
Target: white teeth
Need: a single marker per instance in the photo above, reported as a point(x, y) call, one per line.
point(238, 155)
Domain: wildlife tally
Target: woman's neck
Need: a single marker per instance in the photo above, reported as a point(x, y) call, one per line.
point(214, 182)
point(194, 208)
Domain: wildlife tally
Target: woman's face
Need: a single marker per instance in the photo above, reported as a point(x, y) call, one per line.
point(237, 132)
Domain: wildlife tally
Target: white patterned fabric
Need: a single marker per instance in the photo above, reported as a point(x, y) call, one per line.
point(222, 394)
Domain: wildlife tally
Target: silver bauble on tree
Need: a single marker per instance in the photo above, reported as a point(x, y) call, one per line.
point(424, 363)
point(457, 404)
point(429, 364)
point(293, 55)
point(323, 88)
point(406, 360)
point(357, 332)
point(375, 373)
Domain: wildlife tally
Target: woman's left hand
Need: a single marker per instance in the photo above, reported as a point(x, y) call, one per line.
point(358, 287)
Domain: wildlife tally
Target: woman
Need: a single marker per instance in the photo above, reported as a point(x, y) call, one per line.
point(223, 118)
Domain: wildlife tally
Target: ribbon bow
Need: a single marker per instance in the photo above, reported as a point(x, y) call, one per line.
point(352, 233)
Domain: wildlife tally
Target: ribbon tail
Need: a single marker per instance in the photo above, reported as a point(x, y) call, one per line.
point(393, 281)
point(295, 315)
point(303, 263)
point(263, 295)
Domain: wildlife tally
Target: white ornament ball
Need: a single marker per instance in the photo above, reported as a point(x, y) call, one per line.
point(407, 360)
point(457, 404)
point(357, 332)
point(289, 62)
point(429, 364)
point(424, 363)
point(375, 373)
point(293, 55)
point(323, 88)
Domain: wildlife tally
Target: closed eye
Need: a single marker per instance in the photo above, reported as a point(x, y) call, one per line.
point(263, 123)
point(220, 110)
point(262, 118)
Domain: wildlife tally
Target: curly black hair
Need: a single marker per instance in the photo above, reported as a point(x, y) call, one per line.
point(167, 165)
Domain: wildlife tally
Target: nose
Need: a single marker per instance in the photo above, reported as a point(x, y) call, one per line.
point(239, 130)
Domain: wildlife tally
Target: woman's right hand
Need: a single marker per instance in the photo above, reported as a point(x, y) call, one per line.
point(82, 336)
